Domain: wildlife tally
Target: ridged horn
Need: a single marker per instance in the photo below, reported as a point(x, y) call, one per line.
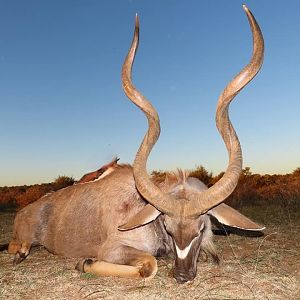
point(198, 203)
point(203, 201)
point(145, 186)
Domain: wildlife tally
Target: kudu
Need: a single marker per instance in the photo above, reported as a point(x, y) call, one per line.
point(127, 218)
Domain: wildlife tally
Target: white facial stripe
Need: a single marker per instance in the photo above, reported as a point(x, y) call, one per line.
point(182, 254)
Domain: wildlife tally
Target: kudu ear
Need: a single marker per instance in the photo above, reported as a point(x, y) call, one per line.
point(148, 214)
point(228, 216)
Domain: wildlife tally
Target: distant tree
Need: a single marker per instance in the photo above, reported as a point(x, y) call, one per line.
point(202, 174)
point(246, 171)
point(62, 182)
point(32, 194)
point(296, 172)
point(158, 176)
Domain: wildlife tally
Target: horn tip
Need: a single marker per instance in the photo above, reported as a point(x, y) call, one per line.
point(136, 20)
point(245, 7)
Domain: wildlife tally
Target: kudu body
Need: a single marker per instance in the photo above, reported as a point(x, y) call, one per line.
point(126, 218)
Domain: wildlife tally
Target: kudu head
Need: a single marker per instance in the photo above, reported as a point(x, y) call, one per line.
point(185, 206)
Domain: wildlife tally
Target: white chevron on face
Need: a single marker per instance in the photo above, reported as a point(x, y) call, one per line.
point(182, 254)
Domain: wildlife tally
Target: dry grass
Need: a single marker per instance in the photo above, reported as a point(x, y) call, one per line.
point(252, 268)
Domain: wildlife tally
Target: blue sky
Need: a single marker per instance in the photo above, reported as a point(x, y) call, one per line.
point(63, 111)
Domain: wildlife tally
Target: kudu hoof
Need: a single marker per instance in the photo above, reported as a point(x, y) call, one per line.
point(148, 269)
point(80, 265)
point(17, 259)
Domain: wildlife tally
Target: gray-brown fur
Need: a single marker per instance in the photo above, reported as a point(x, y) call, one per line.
point(82, 220)
point(81, 215)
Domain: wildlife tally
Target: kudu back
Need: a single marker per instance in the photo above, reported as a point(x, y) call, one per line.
point(118, 223)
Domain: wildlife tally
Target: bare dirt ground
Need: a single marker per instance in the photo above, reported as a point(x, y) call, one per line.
point(266, 267)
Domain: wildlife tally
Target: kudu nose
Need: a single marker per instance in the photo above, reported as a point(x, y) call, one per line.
point(184, 277)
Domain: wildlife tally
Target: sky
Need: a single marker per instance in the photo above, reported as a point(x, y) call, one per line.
point(63, 110)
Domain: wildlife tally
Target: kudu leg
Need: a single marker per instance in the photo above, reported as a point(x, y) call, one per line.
point(124, 262)
point(103, 268)
point(21, 250)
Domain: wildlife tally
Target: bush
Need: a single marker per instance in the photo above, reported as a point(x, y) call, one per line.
point(62, 182)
